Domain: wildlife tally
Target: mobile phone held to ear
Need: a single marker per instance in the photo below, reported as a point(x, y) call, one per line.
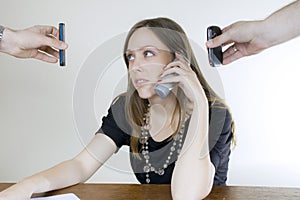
point(215, 55)
point(164, 89)
point(62, 53)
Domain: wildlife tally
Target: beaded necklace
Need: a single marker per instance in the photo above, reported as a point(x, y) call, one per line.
point(177, 141)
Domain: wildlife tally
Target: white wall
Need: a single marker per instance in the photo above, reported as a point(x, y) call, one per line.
point(37, 117)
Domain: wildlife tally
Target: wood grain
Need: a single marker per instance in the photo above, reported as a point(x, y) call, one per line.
point(156, 192)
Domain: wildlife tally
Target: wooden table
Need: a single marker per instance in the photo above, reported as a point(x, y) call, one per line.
point(156, 192)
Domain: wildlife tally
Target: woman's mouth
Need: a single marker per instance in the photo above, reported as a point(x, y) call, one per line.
point(141, 82)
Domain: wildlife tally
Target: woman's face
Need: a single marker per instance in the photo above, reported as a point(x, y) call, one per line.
point(147, 56)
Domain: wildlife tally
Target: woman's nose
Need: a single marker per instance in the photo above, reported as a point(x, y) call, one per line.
point(136, 65)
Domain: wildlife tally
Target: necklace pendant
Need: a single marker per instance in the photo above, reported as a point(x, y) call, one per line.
point(152, 169)
point(178, 151)
point(177, 137)
point(147, 180)
point(146, 169)
point(144, 152)
point(142, 140)
point(161, 172)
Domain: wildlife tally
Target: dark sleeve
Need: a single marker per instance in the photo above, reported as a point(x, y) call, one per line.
point(220, 138)
point(115, 125)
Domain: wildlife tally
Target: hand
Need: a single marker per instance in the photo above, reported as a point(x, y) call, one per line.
point(39, 42)
point(244, 39)
point(187, 79)
point(15, 192)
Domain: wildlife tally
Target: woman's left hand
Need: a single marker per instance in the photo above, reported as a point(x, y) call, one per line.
point(187, 79)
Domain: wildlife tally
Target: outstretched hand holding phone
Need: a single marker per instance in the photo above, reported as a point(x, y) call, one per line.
point(246, 38)
point(39, 42)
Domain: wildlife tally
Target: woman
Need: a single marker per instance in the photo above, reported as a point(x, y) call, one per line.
point(191, 125)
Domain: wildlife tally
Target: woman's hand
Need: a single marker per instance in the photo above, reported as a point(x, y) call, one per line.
point(16, 192)
point(187, 79)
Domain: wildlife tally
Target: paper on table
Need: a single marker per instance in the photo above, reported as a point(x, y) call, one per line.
point(69, 196)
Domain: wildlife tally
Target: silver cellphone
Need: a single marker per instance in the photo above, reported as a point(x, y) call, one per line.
point(164, 89)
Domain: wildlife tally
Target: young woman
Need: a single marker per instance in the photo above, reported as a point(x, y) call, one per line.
point(183, 136)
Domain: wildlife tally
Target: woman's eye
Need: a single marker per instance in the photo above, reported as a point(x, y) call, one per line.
point(148, 53)
point(130, 57)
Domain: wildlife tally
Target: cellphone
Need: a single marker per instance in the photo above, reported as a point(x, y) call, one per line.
point(215, 55)
point(164, 89)
point(62, 53)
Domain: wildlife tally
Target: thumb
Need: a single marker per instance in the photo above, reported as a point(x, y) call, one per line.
point(217, 41)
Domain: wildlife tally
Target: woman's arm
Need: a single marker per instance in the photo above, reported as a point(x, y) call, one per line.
point(193, 173)
point(193, 163)
point(67, 173)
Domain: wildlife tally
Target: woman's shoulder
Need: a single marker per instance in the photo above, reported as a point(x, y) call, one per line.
point(119, 100)
point(117, 107)
point(116, 114)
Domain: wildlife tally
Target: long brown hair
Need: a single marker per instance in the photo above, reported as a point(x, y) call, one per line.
point(173, 36)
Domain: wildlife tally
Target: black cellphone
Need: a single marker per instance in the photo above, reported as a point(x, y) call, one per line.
point(215, 55)
point(62, 53)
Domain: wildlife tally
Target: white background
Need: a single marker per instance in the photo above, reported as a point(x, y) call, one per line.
point(37, 126)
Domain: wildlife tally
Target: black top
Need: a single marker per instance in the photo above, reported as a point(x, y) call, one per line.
point(118, 129)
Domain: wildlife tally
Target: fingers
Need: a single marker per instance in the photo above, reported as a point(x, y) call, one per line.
point(54, 42)
point(45, 30)
point(50, 51)
point(46, 54)
point(232, 58)
point(39, 42)
point(231, 54)
point(181, 62)
point(180, 67)
point(170, 76)
point(230, 51)
point(220, 40)
point(175, 70)
point(183, 59)
point(49, 36)
point(44, 57)
point(51, 30)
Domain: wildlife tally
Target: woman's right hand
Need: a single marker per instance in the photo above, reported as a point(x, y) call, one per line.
point(15, 192)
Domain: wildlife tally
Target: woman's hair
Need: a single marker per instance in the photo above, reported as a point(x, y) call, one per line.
point(173, 36)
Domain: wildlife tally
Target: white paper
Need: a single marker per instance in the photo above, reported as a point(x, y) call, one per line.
point(69, 196)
